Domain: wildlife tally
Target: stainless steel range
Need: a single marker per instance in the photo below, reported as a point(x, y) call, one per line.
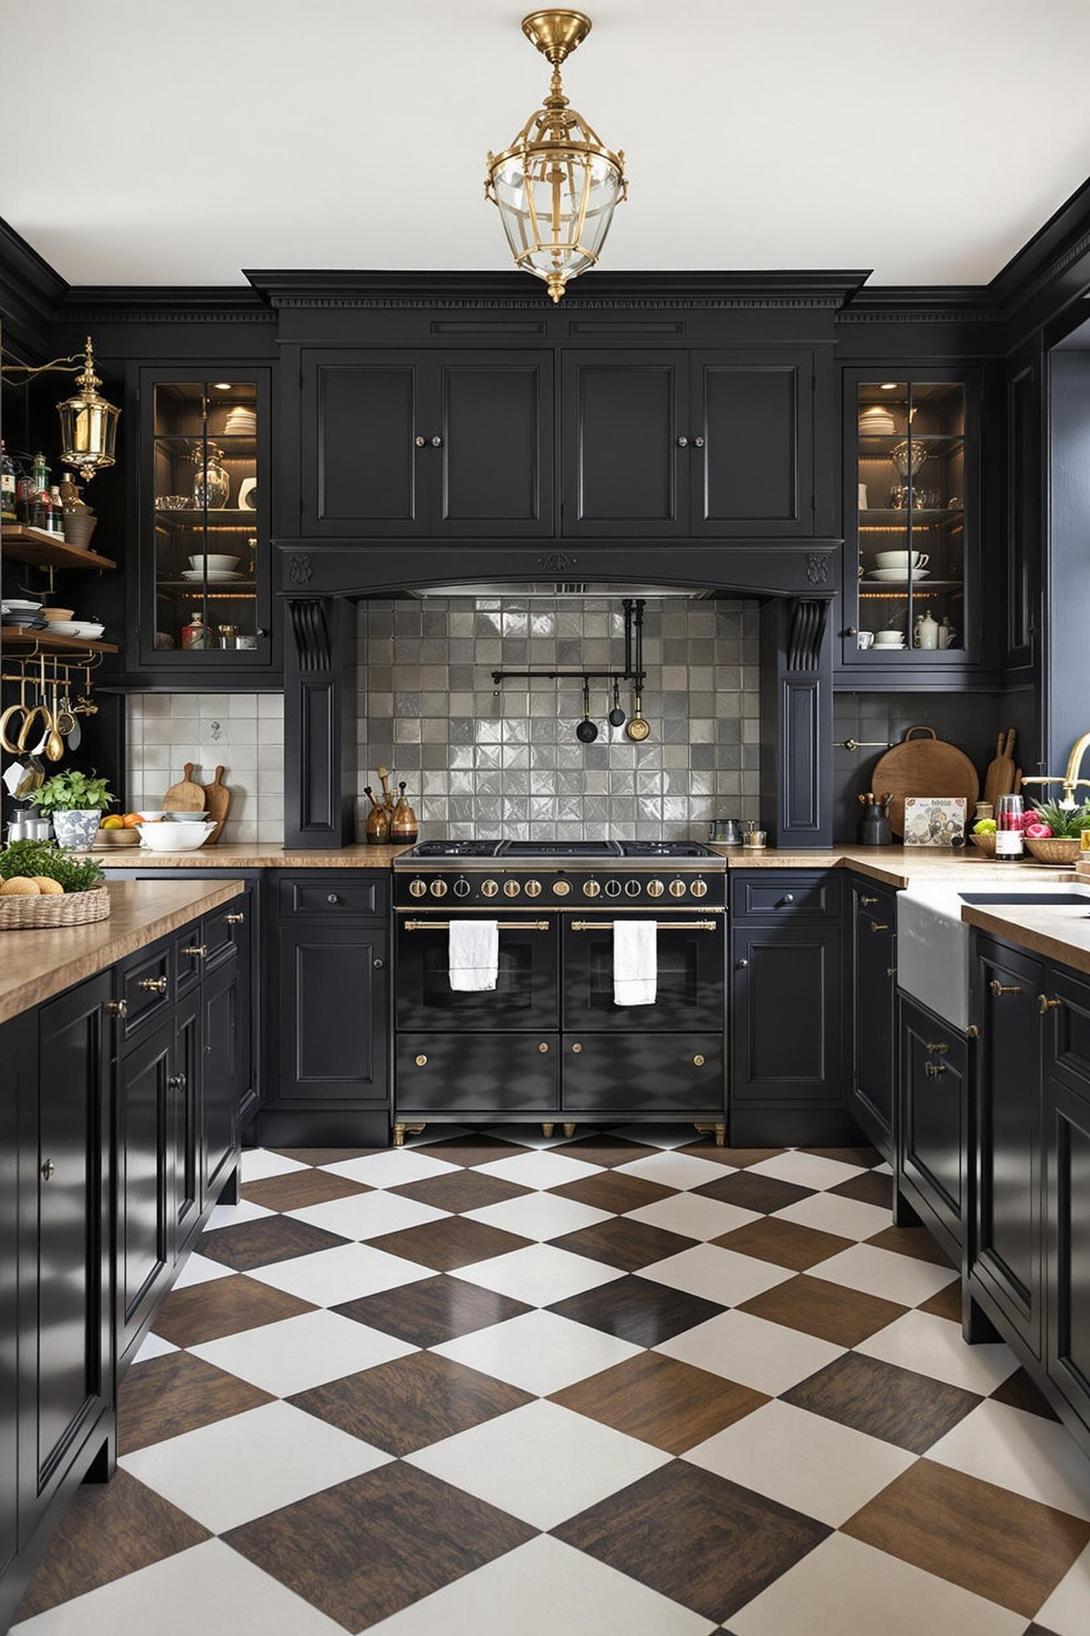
point(548, 1042)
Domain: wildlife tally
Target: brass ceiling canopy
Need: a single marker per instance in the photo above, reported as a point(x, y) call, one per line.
point(557, 185)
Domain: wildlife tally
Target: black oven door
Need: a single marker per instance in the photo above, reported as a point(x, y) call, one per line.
point(691, 975)
point(526, 992)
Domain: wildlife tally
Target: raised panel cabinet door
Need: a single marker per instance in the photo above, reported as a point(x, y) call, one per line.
point(221, 1004)
point(626, 447)
point(1007, 1249)
point(65, 1358)
point(873, 999)
point(786, 1022)
point(753, 473)
point(142, 1167)
point(933, 1114)
point(1023, 514)
point(333, 1000)
point(493, 464)
point(1067, 1231)
point(184, 1124)
point(19, 1078)
point(361, 468)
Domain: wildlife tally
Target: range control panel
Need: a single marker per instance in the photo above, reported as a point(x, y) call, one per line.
point(496, 887)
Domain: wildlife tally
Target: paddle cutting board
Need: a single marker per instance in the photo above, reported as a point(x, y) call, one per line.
point(924, 766)
point(999, 779)
point(186, 796)
point(217, 799)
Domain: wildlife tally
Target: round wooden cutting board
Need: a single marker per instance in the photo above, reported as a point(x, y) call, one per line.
point(924, 766)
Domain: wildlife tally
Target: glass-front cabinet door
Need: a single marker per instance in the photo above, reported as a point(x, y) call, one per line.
point(910, 515)
point(204, 525)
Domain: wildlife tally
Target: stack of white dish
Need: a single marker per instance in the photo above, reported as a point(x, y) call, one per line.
point(213, 567)
point(895, 565)
point(876, 421)
point(889, 639)
point(241, 421)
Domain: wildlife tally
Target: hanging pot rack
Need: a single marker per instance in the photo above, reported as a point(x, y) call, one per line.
point(633, 658)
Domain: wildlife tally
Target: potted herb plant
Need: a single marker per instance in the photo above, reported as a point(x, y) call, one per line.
point(1053, 834)
point(75, 801)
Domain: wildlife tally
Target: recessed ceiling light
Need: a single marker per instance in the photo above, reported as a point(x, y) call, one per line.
point(889, 386)
point(221, 386)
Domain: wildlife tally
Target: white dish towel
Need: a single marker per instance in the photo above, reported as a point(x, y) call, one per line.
point(635, 961)
point(473, 956)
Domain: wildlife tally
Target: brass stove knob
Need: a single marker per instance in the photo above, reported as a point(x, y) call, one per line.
point(699, 888)
point(511, 888)
point(417, 888)
point(591, 888)
point(489, 888)
point(561, 888)
point(677, 888)
point(438, 888)
point(532, 888)
point(655, 888)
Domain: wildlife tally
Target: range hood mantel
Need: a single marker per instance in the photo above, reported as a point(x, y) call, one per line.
point(558, 588)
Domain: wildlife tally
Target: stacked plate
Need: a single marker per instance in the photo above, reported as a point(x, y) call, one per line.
point(241, 422)
point(22, 615)
point(898, 575)
point(876, 422)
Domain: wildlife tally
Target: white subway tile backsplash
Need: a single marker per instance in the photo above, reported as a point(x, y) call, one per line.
point(242, 732)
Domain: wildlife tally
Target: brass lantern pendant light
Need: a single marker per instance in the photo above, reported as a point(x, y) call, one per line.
point(557, 185)
point(88, 421)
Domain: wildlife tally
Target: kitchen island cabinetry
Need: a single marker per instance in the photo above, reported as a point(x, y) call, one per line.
point(933, 1123)
point(872, 949)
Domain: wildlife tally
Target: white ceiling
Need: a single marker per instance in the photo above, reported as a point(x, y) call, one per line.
point(926, 139)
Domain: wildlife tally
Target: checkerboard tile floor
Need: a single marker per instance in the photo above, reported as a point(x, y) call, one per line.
point(621, 1385)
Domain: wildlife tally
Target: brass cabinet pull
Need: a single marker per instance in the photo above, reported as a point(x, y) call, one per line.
point(878, 926)
point(999, 988)
point(660, 925)
point(49, 1170)
point(421, 1061)
point(235, 920)
point(934, 1069)
point(195, 951)
point(176, 1081)
point(117, 1008)
point(576, 1049)
point(698, 1061)
point(1044, 1004)
point(891, 971)
point(503, 925)
point(153, 985)
point(543, 1047)
point(937, 1046)
point(867, 903)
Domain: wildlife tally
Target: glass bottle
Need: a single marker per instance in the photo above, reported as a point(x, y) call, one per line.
point(7, 485)
point(195, 635)
point(1009, 844)
point(211, 484)
point(56, 510)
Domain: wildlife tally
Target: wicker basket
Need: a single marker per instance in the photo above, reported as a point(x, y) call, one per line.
point(985, 842)
point(55, 909)
point(1056, 849)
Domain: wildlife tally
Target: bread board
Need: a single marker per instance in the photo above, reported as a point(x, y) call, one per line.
point(217, 800)
point(925, 765)
point(185, 796)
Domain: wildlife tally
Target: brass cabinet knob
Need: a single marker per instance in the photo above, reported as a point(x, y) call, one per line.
point(117, 1008)
point(153, 985)
point(879, 926)
point(576, 1049)
point(561, 888)
point(489, 888)
point(332, 897)
point(698, 442)
point(512, 888)
point(698, 1061)
point(235, 920)
point(421, 1061)
point(999, 989)
point(417, 888)
point(740, 965)
point(421, 442)
point(937, 1047)
point(49, 1170)
point(1044, 1004)
point(543, 1047)
point(934, 1069)
point(867, 903)
point(378, 964)
point(195, 951)
point(533, 888)
point(437, 442)
point(176, 1081)
point(683, 442)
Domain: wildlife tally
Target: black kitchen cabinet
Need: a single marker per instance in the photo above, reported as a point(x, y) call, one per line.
point(184, 1114)
point(674, 1075)
point(1066, 1030)
point(332, 1023)
point(426, 443)
point(933, 1123)
point(1005, 1259)
point(504, 1073)
point(627, 460)
point(752, 420)
point(146, 1094)
point(19, 1077)
point(873, 998)
point(221, 1030)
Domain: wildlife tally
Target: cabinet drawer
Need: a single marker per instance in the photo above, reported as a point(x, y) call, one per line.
point(187, 961)
point(776, 895)
point(643, 1073)
point(225, 928)
point(344, 895)
point(1067, 1026)
point(147, 988)
point(492, 1073)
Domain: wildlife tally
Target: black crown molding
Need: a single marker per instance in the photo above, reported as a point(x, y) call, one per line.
point(1055, 247)
point(30, 291)
point(923, 304)
point(164, 304)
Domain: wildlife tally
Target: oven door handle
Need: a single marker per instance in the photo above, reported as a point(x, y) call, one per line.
point(660, 925)
point(503, 925)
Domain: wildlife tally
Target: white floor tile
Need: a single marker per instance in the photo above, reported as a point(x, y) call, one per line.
point(538, 1168)
point(717, 1274)
point(252, 1463)
point(1022, 1451)
point(210, 1589)
point(539, 1274)
point(344, 1273)
point(539, 1351)
point(527, 1136)
point(393, 1168)
point(259, 1162)
point(233, 1215)
point(666, 1137)
point(296, 1353)
point(672, 1169)
point(153, 1346)
point(199, 1270)
point(367, 1215)
point(806, 1169)
point(538, 1215)
point(831, 1214)
point(933, 1346)
point(694, 1217)
point(767, 1357)
point(541, 1462)
point(542, 1588)
point(894, 1277)
point(1067, 1611)
point(807, 1462)
point(846, 1588)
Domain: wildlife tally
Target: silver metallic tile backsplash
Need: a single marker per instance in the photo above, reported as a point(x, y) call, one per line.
point(510, 766)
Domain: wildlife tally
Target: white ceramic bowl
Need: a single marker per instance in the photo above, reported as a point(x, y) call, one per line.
point(174, 837)
point(87, 628)
point(215, 561)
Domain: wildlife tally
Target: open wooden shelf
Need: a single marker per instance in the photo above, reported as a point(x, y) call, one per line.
point(44, 550)
point(17, 636)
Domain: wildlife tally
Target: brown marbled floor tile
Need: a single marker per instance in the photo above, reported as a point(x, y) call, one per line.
point(412, 1402)
point(914, 1241)
point(867, 1156)
point(474, 1149)
point(751, 1191)
point(882, 1399)
point(738, 1158)
point(325, 1155)
point(707, 1543)
point(661, 1400)
point(460, 1190)
point(991, 1541)
point(269, 1239)
point(784, 1243)
point(108, 1530)
point(176, 1393)
point(637, 1310)
point(453, 1241)
point(831, 1311)
point(624, 1243)
point(432, 1310)
point(610, 1191)
point(364, 1549)
point(872, 1187)
point(223, 1306)
point(946, 1302)
point(605, 1150)
point(1020, 1392)
point(300, 1188)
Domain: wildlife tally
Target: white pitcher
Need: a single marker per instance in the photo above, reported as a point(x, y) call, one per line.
point(927, 631)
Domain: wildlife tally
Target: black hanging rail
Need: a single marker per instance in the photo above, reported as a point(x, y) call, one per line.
point(633, 666)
